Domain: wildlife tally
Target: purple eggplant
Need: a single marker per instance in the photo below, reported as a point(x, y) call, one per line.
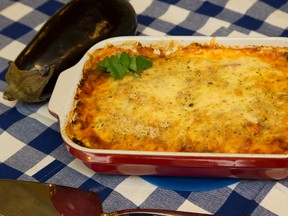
point(62, 42)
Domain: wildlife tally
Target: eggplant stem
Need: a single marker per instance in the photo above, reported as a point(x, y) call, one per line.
point(25, 85)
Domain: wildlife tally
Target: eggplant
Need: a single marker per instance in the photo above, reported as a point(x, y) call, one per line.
point(62, 42)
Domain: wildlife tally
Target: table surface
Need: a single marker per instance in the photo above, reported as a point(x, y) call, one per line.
point(31, 147)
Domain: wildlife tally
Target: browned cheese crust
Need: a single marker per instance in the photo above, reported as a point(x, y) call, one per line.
point(200, 98)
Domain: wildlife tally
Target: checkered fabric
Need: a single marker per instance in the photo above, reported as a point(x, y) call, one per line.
point(31, 147)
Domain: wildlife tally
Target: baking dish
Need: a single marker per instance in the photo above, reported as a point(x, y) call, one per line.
point(164, 163)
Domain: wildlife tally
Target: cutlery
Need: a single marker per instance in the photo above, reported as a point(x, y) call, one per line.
point(19, 197)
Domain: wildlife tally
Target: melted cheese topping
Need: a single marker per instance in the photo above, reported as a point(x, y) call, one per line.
point(200, 98)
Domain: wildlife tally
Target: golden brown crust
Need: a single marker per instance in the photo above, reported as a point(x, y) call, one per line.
point(201, 98)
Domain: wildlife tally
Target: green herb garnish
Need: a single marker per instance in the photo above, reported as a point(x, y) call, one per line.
point(120, 64)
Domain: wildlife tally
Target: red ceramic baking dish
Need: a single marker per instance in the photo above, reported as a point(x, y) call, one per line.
point(257, 166)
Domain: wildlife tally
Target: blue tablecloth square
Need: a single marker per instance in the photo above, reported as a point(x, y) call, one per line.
point(276, 4)
point(249, 22)
point(50, 7)
point(178, 30)
point(15, 30)
point(237, 205)
point(103, 193)
point(47, 141)
point(170, 1)
point(145, 20)
point(9, 173)
point(284, 33)
point(10, 117)
point(209, 9)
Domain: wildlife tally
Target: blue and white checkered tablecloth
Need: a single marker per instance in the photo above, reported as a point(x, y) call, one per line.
point(31, 147)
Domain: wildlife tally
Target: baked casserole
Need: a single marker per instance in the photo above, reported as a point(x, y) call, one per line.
point(201, 97)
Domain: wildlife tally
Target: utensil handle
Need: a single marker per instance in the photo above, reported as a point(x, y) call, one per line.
point(149, 212)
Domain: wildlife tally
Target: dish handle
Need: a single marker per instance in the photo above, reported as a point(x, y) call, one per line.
point(63, 93)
